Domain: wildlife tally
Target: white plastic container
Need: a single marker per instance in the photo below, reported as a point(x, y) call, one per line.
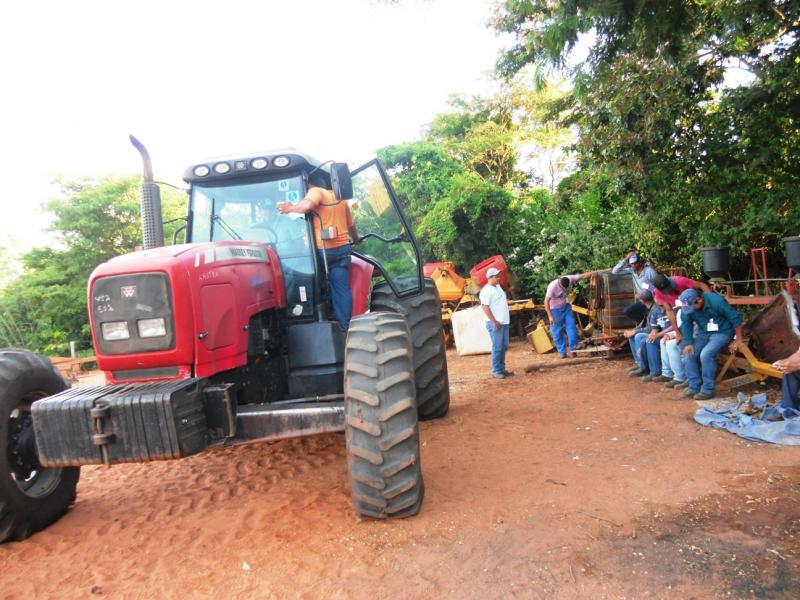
point(469, 332)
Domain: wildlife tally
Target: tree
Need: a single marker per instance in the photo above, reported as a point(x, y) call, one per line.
point(94, 220)
point(698, 160)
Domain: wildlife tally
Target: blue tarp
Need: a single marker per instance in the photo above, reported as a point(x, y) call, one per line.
point(785, 430)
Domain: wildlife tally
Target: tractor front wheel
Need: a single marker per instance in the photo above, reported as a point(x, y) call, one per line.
point(31, 496)
point(381, 426)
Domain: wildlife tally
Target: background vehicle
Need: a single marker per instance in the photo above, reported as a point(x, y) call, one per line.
point(226, 339)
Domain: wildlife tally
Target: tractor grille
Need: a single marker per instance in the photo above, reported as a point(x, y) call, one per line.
point(129, 299)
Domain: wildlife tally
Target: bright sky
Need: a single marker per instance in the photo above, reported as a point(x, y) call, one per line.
point(337, 79)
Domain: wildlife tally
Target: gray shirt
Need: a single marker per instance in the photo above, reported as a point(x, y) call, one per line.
point(642, 280)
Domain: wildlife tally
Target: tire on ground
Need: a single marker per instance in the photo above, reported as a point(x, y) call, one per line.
point(381, 426)
point(30, 499)
point(424, 316)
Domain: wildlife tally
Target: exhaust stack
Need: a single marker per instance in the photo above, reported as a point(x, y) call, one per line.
point(150, 202)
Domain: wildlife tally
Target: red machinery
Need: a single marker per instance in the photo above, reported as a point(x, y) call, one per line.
point(226, 339)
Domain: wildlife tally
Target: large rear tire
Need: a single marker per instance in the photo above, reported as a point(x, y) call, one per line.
point(31, 496)
point(381, 426)
point(424, 316)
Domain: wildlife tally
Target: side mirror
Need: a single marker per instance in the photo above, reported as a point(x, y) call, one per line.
point(341, 182)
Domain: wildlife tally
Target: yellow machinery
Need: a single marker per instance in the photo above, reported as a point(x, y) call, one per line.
point(458, 293)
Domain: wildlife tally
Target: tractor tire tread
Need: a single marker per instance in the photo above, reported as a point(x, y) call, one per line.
point(382, 435)
point(424, 316)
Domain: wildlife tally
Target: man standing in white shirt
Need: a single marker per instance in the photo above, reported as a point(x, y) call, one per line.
point(495, 308)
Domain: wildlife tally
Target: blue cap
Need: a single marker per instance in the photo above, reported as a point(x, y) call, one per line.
point(633, 259)
point(687, 299)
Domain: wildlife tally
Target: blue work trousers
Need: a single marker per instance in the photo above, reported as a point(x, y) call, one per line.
point(671, 360)
point(789, 388)
point(499, 346)
point(646, 355)
point(701, 366)
point(563, 317)
point(339, 282)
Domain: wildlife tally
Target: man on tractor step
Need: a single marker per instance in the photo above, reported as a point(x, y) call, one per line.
point(559, 312)
point(716, 322)
point(495, 308)
point(334, 231)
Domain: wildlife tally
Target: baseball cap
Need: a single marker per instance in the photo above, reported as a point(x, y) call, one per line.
point(492, 272)
point(687, 299)
point(633, 259)
point(645, 296)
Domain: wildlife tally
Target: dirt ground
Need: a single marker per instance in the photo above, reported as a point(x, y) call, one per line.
point(576, 482)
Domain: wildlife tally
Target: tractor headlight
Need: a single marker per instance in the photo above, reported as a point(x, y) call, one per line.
point(149, 328)
point(116, 330)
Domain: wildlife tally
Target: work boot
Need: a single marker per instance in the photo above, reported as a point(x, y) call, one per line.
point(637, 372)
point(661, 379)
point(633, 370)
point(508, 373)
point(563, 356)
point(681, 384)
point(672, 383)
point(703, 396)
point(648, 378)
point(498, 375)
point(689, 393)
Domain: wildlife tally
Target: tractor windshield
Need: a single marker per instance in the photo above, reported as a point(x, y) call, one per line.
point(247, 211)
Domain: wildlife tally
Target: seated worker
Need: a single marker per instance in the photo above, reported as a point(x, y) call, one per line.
point(337, 223)
point(646, 353)
point(672, 365)
point(790, 383)
point(716, 322)
point(559, 312)
point(668, 289)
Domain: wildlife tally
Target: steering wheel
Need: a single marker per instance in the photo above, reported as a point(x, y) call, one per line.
point(272, 235)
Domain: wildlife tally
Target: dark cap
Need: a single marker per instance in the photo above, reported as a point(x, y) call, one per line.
point(662, 282)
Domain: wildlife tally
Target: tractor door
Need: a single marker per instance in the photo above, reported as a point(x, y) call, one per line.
point(387, 240)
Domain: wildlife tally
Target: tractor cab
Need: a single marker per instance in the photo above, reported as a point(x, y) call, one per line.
point(237, 199)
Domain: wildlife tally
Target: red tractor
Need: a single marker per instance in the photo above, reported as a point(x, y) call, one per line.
point(226, 339)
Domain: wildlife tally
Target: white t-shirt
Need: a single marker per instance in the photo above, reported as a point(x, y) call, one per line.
point(494, 297)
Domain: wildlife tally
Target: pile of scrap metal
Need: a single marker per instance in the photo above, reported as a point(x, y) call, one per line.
point(459, 293)
point(771, 334)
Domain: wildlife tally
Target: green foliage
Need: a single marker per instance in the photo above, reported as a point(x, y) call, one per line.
point(469, 224)
point(458, 185)
point(693, 160)
point(94, 220)
point(579, 229)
